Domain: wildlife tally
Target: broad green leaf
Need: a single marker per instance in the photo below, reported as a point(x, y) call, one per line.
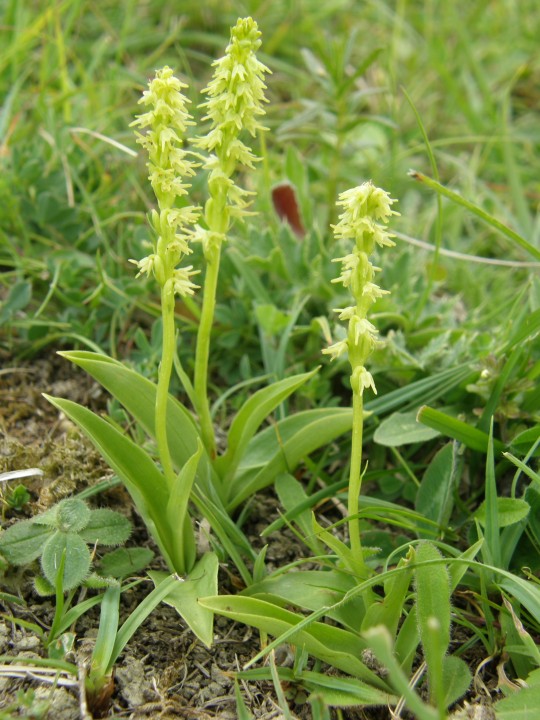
point(184, 597)
point(509, 511)
point(435, 497)
point(250, 416)
point(470, 436)
point(138, 395)
point(292, 497)
point(281, 447)
point(23, 542)
point(522, 705)
point(402, 429)
point(77, 559)
point(144, 481)
point(312, 590)
point(456, 679)
point(123, 562)
point(338, 647)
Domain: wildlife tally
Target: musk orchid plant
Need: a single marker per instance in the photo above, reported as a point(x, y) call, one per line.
point(187, 467)
point(368, 631)
point(366, 211)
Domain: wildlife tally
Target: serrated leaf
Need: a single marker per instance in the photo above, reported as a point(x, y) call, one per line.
point(77, 560)
point(23, 542)
point(106, 527)
point(402, 429)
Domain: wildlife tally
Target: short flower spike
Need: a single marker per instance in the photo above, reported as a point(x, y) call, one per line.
point(366, 211)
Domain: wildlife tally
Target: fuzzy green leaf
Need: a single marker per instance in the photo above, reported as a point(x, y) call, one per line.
point(509, 511)
point(72, 515)
point(124, 562)
point(522, 705)
point(23, 542)
point(77, 562)
point(435, 497)
point(456, 678)
point(106, 527)
point(433, 611)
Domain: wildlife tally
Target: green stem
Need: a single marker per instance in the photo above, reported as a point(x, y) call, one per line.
point(355, 481)
point(202, 405)
point(164, 377)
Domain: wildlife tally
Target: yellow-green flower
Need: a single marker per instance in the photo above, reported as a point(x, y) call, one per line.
point(167, 120)
point(366, 211)
point(235, 103)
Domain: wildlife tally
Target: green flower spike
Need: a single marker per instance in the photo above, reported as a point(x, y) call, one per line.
point(366, 211)
point(167, 120)
point(235, 98)
point(235, 102)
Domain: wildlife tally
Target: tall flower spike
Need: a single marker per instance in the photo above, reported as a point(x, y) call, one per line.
point(366, 211)
point(167, 120)
point(235, 102)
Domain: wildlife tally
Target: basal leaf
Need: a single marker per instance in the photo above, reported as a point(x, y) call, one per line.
point(282, 446)
point(139, 473)
point(333, 645)
point(201, 581)
point(138, 395)
point(249, 418)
